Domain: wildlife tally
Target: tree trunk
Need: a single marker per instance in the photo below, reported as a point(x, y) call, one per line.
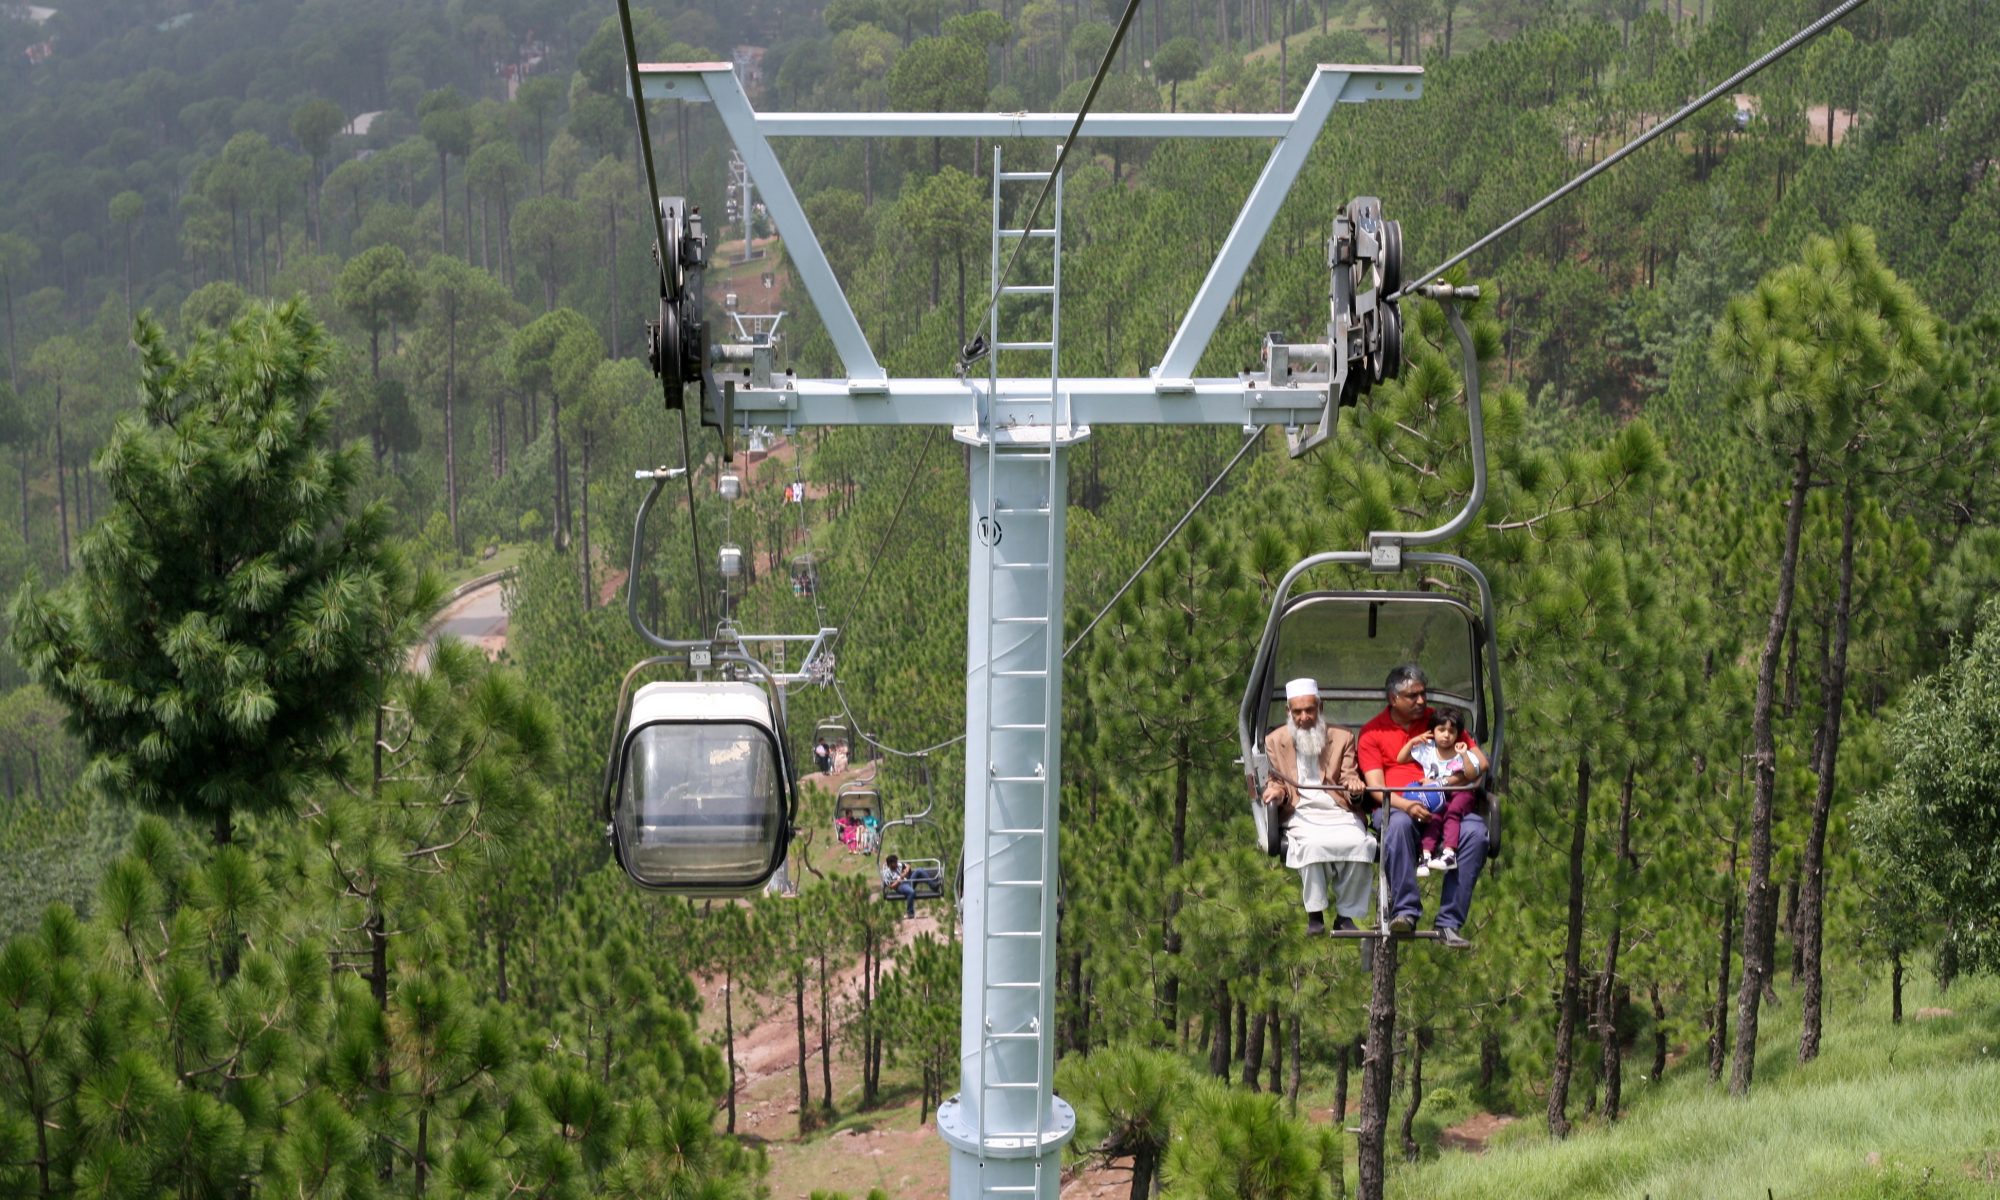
point(1489, 1061)
point(1718, 1025)
point(1218, 1052)
point(1417, 1039)
point(1567, 1006)
point(617, 319)
point(1612, 1059)
point(805, 1056)
point(589, 588)
point(1337, 1169)
point(1659, 1032)
point(1292, 1092)
point(62, 502)
point(1895, 987)
point(729, 1039)
point(1810, 931)
point(450, 431)
point(825, 1041)
point(559, 520)
point(1757, 897)
point(1378, 1063)
point(1144, 1165)
point(1253, 1051)
point(1170, 989)
point(444, 209)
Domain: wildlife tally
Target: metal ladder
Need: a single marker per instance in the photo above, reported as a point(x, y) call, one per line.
point(1023, 654)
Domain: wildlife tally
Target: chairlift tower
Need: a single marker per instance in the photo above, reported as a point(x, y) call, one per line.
point(1006, 1128)
point(741, 185)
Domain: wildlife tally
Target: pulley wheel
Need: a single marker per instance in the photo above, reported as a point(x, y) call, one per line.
point(1391, 361)
point(669, 366)
point(670, 255)
point(1392, 257)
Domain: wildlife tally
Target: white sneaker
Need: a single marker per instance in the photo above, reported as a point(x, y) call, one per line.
point(1423, 865)
point(1447, 859)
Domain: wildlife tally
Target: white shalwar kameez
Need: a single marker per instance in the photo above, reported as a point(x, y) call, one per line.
point(1323, 839)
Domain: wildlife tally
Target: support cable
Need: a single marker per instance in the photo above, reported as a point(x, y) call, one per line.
point(1241, 452)
point(659, 250)
point(974, 349)
point(1187, 516)
point(1697, 104)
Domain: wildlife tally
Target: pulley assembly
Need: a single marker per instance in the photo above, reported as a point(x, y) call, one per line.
point(677, 343)
point(1364, 335)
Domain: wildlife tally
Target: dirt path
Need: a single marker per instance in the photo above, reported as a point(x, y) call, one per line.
point(1471, 1134)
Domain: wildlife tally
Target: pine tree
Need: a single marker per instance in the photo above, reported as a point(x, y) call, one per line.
point(232, 611)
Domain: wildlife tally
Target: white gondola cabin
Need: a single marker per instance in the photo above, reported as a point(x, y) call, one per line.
point(703, 800)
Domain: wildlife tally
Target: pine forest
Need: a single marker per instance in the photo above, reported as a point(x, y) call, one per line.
point(328, 412)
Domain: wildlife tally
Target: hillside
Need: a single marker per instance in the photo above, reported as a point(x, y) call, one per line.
point(314, 309)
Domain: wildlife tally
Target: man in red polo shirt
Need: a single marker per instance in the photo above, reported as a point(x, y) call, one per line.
point(1406, 715)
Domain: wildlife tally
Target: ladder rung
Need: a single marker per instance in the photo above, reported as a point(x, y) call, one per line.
point(1024, 177)
point(1029, 289)
point(1024, 345)
point(1012, 1189)
point(1035, 233)
point(1020, 512)
point(1029, 933)
point(1033, 883)
point(1020, 779)
point(1017, 833)
point(1020, 566)
point(1020, 621)
point(1035, 674)
point(1021, 727)
point(1011, 1087)
point(1030, 986)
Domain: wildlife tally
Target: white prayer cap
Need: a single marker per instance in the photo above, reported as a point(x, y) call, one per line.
point(1302, 687)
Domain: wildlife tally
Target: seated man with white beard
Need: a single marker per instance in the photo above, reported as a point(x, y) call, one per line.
point(1314, 772)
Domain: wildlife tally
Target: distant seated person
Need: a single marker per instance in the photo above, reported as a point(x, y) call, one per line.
point(1406, 717)
point(1449, 763)
point(1316, 785)
point(898, 879)
point(822, 757)
point(840, 756)
point(844, 830)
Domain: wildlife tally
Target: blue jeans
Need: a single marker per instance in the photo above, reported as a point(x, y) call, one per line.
point(1399, 863)
point(908, 891)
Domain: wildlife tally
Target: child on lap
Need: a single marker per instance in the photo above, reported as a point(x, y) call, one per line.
point(1448, 762)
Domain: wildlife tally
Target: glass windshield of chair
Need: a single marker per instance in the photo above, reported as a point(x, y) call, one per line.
point(702, 805)
point(1350, 643)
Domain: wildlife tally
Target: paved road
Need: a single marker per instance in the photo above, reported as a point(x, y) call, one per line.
point(478, 617)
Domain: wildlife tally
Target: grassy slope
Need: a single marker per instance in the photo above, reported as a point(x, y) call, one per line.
point(1886, 1111)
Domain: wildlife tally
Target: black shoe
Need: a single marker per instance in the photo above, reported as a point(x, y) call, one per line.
point(1452, 939)
point(1402, 926)
point(1344, 923)
point(1315, 924)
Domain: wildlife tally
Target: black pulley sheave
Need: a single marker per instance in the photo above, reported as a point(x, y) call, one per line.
point(1365, 255)
point(677, 342)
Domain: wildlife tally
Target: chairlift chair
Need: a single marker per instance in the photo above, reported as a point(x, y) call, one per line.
point(926, 874)
point(1349, 640)
point(857, 802)
point(805, 574)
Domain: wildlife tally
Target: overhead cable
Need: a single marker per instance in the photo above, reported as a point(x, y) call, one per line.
point(660, 244)
point(1721, 89)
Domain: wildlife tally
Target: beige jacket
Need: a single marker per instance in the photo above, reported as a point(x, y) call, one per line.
point(1338, 769)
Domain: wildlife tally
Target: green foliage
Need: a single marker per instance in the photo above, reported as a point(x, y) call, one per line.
point(231, 612)
point(1926, 831)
